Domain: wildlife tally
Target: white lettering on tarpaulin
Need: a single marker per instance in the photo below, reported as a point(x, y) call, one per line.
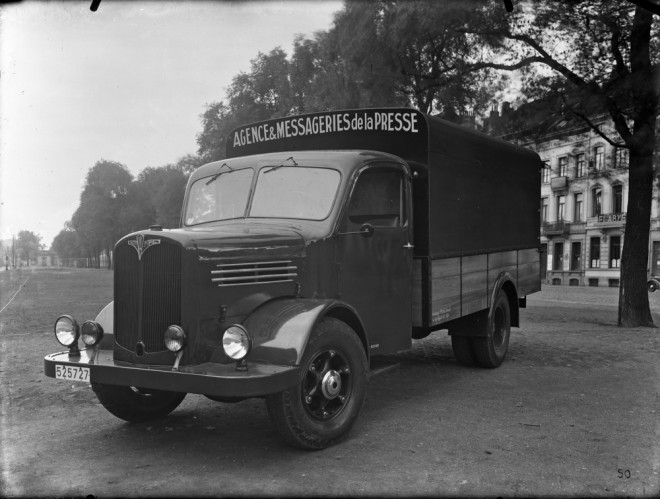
point(386, 121)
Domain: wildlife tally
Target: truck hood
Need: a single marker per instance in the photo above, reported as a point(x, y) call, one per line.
point(237, 240)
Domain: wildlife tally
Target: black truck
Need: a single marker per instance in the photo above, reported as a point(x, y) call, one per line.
point(321, 243)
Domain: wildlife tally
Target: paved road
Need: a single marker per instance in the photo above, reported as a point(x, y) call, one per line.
point(573, 412)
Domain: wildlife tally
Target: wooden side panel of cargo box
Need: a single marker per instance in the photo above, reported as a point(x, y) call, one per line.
point(461, 286)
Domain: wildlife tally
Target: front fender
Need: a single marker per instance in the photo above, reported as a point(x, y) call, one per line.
point(106, 319)
point(280, 329)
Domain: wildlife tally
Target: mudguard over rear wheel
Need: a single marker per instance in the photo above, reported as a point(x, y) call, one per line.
point(137, 405)
point(321, 410)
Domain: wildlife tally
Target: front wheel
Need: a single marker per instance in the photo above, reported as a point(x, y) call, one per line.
point(137, 405)
point(652, 286)
point(491, 350)
point(321, 410)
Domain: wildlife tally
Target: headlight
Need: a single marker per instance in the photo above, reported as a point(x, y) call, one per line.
point(236, 342)
point(67, 330)
point(91, 333)
point(175, 338)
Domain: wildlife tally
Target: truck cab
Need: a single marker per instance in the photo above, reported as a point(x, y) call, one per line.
point(316, 246)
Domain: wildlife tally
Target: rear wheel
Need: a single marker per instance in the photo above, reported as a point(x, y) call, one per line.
point(652, 286)
point(321, 410)
point(137, 405)
point(490, 351)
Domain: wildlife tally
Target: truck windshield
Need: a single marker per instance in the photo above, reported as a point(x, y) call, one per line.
point(280, 192)
point(295, 192)
point(219, 197)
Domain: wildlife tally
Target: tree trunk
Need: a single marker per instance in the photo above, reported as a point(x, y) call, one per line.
point(634, 307)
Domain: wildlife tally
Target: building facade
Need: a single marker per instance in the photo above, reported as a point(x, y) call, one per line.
point(584, 195)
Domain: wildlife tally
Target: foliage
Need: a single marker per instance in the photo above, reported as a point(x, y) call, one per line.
point(100, 218)
point(67, 243)
point(28, 245)
point(159, 194)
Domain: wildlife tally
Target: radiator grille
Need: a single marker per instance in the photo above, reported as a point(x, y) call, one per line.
point(234, 274)
point(147, 294)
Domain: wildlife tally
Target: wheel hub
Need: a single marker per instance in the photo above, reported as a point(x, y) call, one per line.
point(327, 385)
point(331, 384)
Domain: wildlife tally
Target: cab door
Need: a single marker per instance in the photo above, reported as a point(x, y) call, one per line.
point(374, 250)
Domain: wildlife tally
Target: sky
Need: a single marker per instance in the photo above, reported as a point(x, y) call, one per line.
point(126, 83)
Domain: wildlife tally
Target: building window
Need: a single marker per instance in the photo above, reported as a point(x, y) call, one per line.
point(579, 211)
point(596, 201)
point(615, 252)
point(621, 157)
point(617, 198)
point(563, 166)
point(599, 153)
point(576, 255)
point(579, 165)
point(544, 210)
point(594, 253)
point(561, 204)
point(558, 257)
point(545, 173)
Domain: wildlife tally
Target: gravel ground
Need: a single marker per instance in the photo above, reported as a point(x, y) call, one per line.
point(574, 411)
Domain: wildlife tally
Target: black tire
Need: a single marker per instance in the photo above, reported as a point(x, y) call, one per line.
point(463, 350)
point(321, 410)
point(137, 405)
point(490, 351)
point(652, 287)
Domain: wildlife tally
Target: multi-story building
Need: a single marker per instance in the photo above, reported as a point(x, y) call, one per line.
point(584, 194)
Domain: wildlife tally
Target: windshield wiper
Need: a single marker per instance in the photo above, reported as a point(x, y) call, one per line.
point(215, 177)
point(290, 158)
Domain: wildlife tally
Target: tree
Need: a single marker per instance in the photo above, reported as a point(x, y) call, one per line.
point(28, 245)
point(67, 243)
point(413, 51)
point(159, 193)
point(100, 219)
point(603, 51)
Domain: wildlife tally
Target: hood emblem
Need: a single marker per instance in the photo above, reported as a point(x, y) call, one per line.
point(141, 245)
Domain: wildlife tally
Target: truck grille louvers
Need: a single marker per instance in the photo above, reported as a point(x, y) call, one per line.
point(147, 294)
point(235, 274)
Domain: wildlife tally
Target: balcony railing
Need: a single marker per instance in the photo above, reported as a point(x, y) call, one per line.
point(559, 183)
point(555, 228)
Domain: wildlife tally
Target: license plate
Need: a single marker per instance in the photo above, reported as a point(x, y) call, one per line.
point(72, 373)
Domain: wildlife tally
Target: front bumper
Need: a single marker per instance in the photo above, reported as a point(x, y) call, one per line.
point(221, 380)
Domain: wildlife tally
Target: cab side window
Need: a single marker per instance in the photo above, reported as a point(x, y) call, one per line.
point(378, 199)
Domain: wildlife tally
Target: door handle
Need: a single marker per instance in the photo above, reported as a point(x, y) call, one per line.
point(408, 246)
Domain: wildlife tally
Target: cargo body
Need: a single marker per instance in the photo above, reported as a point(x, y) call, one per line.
point(321, 243)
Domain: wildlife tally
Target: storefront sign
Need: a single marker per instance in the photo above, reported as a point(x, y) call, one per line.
point(611, 218)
